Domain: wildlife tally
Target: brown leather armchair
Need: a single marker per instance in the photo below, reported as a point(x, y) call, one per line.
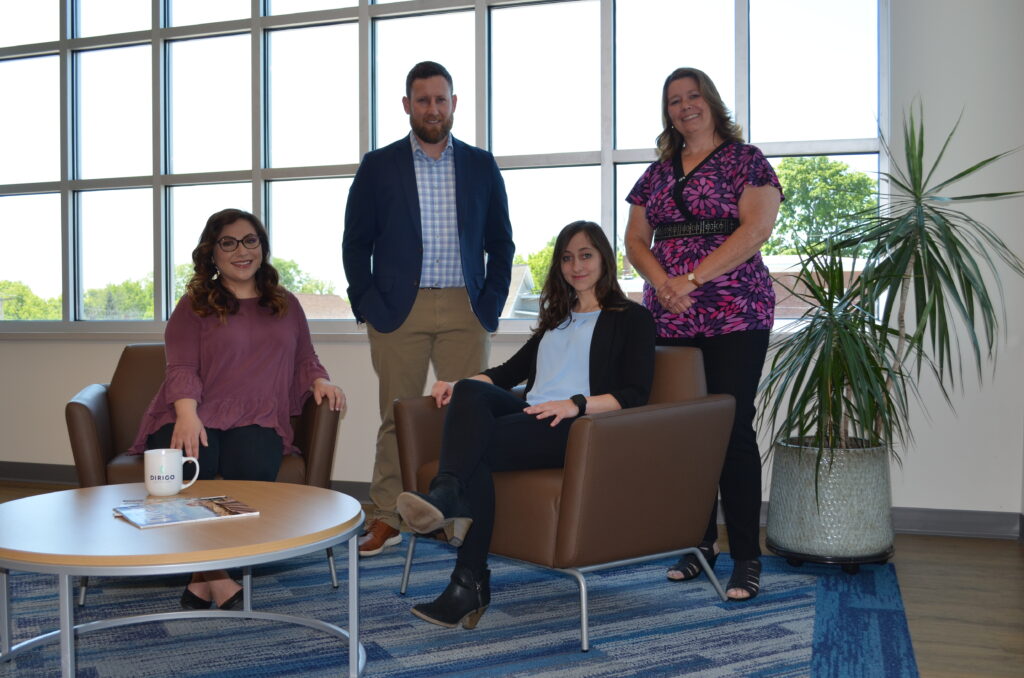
point(103, 420)
point(660, 462)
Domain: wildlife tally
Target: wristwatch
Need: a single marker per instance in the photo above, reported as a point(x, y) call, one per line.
point(692, 277)
point(580, 401)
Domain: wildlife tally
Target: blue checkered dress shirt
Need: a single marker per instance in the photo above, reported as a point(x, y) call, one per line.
point(435, 183)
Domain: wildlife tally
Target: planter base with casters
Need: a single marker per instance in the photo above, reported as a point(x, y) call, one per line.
point(834, 510)
point(850, 565)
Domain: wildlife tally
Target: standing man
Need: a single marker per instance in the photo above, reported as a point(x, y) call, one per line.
point(428, 256)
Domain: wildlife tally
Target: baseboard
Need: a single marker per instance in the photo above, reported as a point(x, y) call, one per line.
point(26, 472)
point(356, 490)
point(938, 522)
point(946, 522)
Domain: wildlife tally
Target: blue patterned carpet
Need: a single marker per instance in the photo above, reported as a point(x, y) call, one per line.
point(809, 621)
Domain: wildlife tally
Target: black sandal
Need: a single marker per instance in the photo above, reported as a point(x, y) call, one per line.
point(689, 566)
point(746, 576)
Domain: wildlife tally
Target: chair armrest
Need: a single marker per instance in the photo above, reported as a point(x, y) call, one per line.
point(419, 423)
point(316, 433)
point(642, 480)
point(88, 421)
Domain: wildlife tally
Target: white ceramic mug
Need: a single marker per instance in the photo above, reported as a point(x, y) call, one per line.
point(164, 472)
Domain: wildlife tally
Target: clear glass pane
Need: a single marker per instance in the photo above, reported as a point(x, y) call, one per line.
point(838, 94)
point(116, 242)
point(30, 285)
point(400, 45)
point(314, 84)
point(305, 239)
point(546, 85)
point(190, 207)
point(30, 130)
point(625, 177)
point(114, 112)
point(103, 17)
point(643, 63)
point(290, 6)
point(539, 209)
point(188, 12)
point(821, 193)
point(23, 23)
point(211, 124)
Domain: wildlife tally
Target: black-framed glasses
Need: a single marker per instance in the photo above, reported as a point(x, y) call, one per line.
point(229, 244)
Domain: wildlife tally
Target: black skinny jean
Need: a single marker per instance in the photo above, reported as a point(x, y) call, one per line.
point(733, 364)
point(486, 430)
point(243, 453)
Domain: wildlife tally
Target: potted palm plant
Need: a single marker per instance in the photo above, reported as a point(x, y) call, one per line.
point(841, 378)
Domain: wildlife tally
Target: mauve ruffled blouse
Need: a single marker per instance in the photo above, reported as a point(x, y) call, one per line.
point(255, 368)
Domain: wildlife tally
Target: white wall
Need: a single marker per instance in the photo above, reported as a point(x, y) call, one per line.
point(956, 56)
point(950, 53)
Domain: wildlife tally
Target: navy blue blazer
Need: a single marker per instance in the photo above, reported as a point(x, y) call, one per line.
point(383, 245)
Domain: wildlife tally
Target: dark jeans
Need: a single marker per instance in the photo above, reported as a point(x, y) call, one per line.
point(486, 430)
point(244, 453)
point(733, 364)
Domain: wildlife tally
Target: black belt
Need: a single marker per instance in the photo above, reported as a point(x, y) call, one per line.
point(696, 227)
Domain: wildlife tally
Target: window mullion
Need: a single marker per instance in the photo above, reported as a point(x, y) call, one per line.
point(608, 119)
point(482, 18)
point(742, 67)
point(160, 141)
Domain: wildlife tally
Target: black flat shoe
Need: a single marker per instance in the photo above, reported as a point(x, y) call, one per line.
point(463, 602)
point(191, 601)
point(746, 576)
point(444, 508)
point(689, 567)
point(234, 602)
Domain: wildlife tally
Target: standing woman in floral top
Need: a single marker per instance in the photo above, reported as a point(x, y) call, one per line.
point(708, 204)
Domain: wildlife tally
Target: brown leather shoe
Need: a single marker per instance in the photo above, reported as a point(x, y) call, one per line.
point(377, 536)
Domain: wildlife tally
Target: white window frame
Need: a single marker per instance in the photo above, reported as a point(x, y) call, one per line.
point(256, 26)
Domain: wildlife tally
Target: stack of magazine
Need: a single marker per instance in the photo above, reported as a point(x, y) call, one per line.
point(160, 511)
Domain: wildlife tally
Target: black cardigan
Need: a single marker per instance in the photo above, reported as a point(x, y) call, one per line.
point(621, 357)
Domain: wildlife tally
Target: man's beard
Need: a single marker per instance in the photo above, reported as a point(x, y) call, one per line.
point(433, 134)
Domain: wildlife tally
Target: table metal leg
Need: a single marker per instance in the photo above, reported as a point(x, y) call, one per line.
point(247, 589)
point(5, 614)
point(353, 607)
point(67, 627)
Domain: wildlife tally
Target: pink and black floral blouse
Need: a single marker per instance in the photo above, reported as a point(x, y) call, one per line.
point(742, 299)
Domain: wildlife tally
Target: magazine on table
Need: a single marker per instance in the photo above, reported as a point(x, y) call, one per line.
point(160, 511)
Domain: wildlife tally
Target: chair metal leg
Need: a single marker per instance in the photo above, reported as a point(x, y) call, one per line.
point(330, 565)
point(709, 572)
point(584, 616)
point(408, 562)
point(83, 588)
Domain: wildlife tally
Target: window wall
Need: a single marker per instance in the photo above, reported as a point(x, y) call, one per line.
point(127, 123)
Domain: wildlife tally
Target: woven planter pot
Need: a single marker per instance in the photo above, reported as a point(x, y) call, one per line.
point(848, 522)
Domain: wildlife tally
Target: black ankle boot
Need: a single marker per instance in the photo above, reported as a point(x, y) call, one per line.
point(445, 507)
point(464, 601)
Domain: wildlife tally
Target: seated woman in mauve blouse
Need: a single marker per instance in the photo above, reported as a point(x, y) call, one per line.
point(240, 363)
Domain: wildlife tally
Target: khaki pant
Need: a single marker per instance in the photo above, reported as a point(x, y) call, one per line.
point(441, 330)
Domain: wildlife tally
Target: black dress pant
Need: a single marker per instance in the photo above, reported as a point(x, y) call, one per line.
point(733, 364)
point(243, 453)
point(486, 430)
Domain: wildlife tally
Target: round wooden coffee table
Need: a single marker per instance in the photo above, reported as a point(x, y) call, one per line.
point(74, 533)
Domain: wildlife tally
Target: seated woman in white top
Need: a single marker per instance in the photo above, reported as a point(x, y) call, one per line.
point(592, 351)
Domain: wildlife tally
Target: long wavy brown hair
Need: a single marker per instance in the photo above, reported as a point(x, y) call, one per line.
point(670, 141)
point(206, 290)
point(558, 297)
